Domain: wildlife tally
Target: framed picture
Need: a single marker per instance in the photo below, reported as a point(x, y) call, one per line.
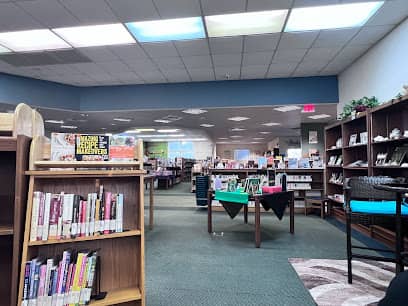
point(363, 138)
point(353, 139)
point(313, 137)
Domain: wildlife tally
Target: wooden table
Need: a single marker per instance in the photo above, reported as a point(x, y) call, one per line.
point(150, 180)
point(257, 215)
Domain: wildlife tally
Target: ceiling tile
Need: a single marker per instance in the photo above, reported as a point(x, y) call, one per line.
point(128, 52)
point(337, 66)
point(223, 45)
point(162, 49)
point(153, 76)
point(297, 40)
point(311, 68)
point(141, 65)
point(289, 55)
point(392, 12)
point(258, 43)
point(13, 18)
point(370, 35)
point(89, 68)
point(324, 54)
point(352, 52)
point(197, 61)
point(126, 76)
point(281, 68)
point(257, 58)
point(227, 73)
point(192, 47)
point(176, 75)
point(216, 7)
point(98, 54)
point(273, 75)
point(253, 72)
point(201, 74)
point(131, 10)
point(168, 63)
point(334, 38)
point(50, 12)
point(178, 8)
point(227, 60)
point(302, 3)
point(116, 66)
point(265, 5)
point(91, 11)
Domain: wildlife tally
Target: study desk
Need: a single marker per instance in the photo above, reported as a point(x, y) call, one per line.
point(277, 202)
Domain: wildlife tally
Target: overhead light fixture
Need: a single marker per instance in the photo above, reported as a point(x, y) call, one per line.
point(245, 23)
point(122, 119)
point(265, 133)
point(237, 129)
point(238, 118)
point(223, 138)
point(255, 142)
point(164, 135)
point(258, 138)
point(32, 40)
point(108, 134)
point(271, 124)
point(331, 16)
point(103, 128)
point(167, 29)
point(178, 139)
point(236, 141)
point(4, 50)
point(287, 108)
point(54, 121)
point(162, 121)
point(236, 136)
point(168, 131)
point(321, 116)
point(145, 130)
point(71, 127)
point(206, 125)
point(194, 111)
point(96, 35)
point(132, 131)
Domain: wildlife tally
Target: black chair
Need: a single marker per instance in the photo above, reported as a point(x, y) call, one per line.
point(375, 197)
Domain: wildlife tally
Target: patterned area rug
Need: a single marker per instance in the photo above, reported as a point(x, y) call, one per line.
point(326, 280)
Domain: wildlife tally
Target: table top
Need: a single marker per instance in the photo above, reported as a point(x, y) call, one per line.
point(398, 188)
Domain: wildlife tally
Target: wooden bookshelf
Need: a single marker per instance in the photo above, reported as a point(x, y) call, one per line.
point(13, 195)
point(122, 253)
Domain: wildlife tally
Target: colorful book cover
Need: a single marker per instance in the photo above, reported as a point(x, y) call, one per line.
point(107, 212)
point(46, 216)
point(112, 227)
point(122, 148)
point(119, 213)
point(97, 222)
point(62, 146)
point(54, 215)
point(26, 288)
point(92, 148)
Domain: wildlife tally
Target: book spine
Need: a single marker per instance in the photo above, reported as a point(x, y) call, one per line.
point(119, 213)
point(107, 212)
point(68, 284)
point(54, 214)
point(26, 288)
point(40, 224)
point(90, 278)
point(36, 279)
point(97, 222)
point(75, 284)
point(34, 215)
point(101, 210)
point(112, 228)
point(46, 216)
point(67, 215)
point(41, 286)
point(83, 218)
point(84, 281)
point(54, 286)
point(75, 216)
point(88, 214)
point(32, 273)
point(61, 209)
point(49, 265)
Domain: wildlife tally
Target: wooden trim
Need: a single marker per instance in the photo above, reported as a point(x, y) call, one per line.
point(8, 143)
point(85, 164)
point(84, 173)
point(120, 296)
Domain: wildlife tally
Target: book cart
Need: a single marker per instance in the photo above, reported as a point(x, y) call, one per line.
point(120, 270)
point(16, 130)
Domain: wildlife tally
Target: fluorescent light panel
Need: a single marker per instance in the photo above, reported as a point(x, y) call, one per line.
point(237, 129)
point(264, 133)
point(168, 131)
point(162, 121)
point(245, 23)
point(287, 108)
point(71, 127)
point(206, 125)
point(236, 136)
point(331, 16)
point(122, 119)
point(321, 116)
point(167, 29)
point(271, 124)
point(238, 118)
point(32, 40)
point(54, 121)
point(96, 35)
point(194, 111)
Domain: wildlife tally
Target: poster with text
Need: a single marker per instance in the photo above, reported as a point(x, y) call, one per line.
point(92, 148)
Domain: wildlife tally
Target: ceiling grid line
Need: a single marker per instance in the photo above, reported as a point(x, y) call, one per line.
point(207, 39)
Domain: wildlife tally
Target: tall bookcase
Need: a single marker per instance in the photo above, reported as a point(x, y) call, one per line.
point(121, 254)
point(379, 121)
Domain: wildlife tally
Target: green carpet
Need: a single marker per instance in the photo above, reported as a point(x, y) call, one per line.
point(187, 266)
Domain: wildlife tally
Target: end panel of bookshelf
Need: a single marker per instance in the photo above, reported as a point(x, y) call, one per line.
point(6, 255)
point(121, 296)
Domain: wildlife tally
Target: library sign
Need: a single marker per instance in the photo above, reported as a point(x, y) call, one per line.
point(91, 148)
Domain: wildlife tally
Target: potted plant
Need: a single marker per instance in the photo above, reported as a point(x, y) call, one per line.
point(355, 107)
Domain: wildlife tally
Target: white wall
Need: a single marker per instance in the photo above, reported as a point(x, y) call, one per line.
point(381, 72)
point(203, 149)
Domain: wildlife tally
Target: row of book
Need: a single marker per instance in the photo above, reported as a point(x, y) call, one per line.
point(67, 216)
point(64, 282)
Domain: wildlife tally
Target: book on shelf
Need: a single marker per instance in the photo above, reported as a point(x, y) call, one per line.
point(68, 216)
point(61, 281)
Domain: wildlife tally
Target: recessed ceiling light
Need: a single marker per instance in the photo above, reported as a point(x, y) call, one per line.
point(236, 136)
point(122, 119)
point(54, 121)
point(223, 138)
point(145, 130)
point(96, 35)
point(167, 29)
point(108, 134)
point(258, 138)
point(222, 142)
point(132, 131)
point(103, 128)
point(168, 130)
point(265, 133)
point(207, 125)
point(163, 135)
point(331, 16)
point(4, 50)
point(287, 108)
point(245, 23)
point(236, 141)
point(32, 40)
point(238, 118)
point(72, 127)
point(237, 129)
point(172, 118)
point(255, 142)
point(321, 116)
point(271, 124)
point(162, 121)
point(194, 111)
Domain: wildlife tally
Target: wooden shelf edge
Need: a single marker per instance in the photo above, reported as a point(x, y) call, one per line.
point(119, 296)
point(356, 146)
point(84, 173)
point(8, 143)
point(89, 238)
point(84, 164)
point(6, 230)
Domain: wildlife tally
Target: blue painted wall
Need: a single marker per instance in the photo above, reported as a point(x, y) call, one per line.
point(14, 89)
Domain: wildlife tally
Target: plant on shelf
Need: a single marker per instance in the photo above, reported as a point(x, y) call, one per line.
point(358, 106)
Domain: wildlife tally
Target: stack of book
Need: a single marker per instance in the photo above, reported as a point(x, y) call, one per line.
point(67, 216)
point(67, 281)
